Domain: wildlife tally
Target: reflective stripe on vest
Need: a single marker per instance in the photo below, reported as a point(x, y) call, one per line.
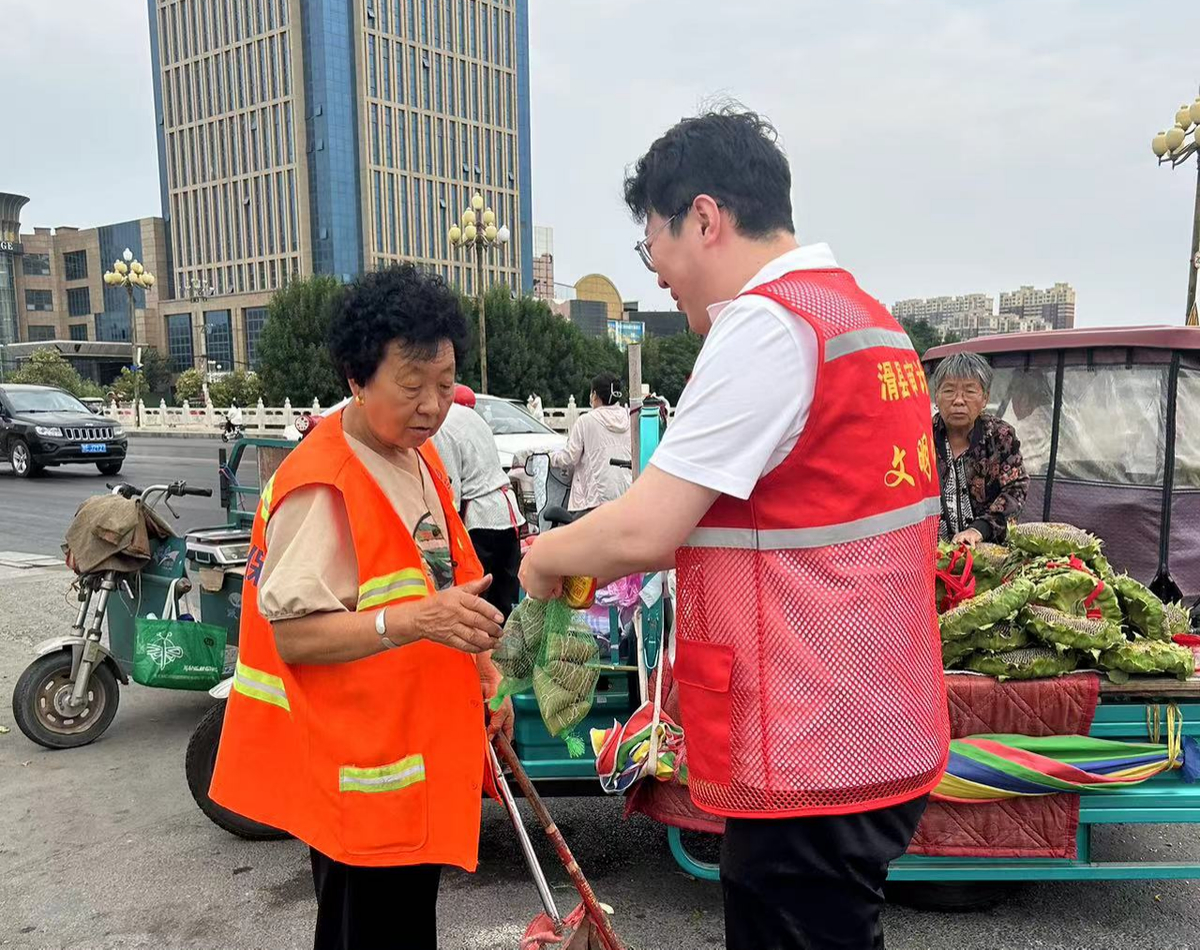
point(265, 498)
point(255, 684)
point(386, 588)
point(783, 539)
point(382, 778)
point(857, 340)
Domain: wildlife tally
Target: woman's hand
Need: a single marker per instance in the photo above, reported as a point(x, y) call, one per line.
point(970, 537)
point(459, 618)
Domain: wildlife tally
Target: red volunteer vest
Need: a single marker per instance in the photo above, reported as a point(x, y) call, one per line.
point(808, 653)
point(377, 762)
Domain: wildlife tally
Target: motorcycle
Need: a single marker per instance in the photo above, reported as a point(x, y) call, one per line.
point(233, 428)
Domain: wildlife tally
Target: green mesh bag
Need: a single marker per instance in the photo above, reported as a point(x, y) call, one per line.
point(1028, 663)
point(1004, 635)
point(1048, 538)
point(1177, 619)
point(1078, 592)
point(1144, 655)
point(1068, 631)
point(984, 610)
point(518, 651)
point(1144, 611)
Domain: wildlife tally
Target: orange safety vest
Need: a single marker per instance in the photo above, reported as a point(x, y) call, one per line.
point(377, 762)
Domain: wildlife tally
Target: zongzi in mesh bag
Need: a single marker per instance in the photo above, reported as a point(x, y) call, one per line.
point(552, 650)
point(987, 609)
point(1069, 631)
point(1028, 663)
point(1078, 592)
point(1048, 538)
point(1145, 612)
point(1144, 655)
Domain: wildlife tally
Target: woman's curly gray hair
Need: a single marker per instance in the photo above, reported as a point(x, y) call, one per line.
point(962, 366)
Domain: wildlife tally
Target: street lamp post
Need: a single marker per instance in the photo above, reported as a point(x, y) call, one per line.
point(484, 236)
point(129, 273)
point(1172, 147)
point(199, 291)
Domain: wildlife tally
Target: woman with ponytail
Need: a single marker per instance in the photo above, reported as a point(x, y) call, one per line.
point(598, 437)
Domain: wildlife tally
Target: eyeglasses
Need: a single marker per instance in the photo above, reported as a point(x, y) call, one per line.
point(643, 246)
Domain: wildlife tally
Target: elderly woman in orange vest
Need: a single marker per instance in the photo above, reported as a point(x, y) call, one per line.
point(356, 720)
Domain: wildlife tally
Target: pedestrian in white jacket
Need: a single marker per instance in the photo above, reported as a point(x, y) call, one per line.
point(598, 437)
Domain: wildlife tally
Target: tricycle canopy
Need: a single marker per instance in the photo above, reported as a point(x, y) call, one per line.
point(1109, 424)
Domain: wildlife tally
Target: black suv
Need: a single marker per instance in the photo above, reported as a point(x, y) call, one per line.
point(41, 426)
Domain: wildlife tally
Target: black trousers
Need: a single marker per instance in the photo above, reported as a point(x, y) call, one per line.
point(499, 551)
point(811, 883)
point(375, 908)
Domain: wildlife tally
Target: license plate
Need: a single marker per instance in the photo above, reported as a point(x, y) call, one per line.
point(94, 448)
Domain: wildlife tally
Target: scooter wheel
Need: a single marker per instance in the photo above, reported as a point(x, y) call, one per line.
point(199, 763)
point(40, 703)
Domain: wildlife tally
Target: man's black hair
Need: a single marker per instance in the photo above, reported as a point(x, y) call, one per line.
point(730, 154)
point(413, 307)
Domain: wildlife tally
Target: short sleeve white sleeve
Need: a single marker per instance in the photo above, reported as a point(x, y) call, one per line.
point(747, 401)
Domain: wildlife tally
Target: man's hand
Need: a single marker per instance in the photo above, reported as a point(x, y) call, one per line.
point(539, 581)
point(970, 537)
point(458, 618)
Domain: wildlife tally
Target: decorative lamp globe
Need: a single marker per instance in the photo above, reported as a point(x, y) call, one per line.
point(477, 201)
point(147, 280)
point(127, 255)
point(469, 233)
point(1194, 110)
point(502, 234)
point(1159, 144)
point(490, 232)
point(1175, 138)
point(455, 234)
point(489, 217)
point(1183, 117)
point(121, 268)
point(468, 217)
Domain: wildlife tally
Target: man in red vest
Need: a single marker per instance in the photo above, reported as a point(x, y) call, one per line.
point(796, 495)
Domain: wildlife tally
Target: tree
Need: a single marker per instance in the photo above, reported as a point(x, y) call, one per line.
point(293, 353)
point(240, 387)
point(924, 336)
point(47, 367)
point(155, 378)
point(667, 362)
point(533, 350)
point(189, 386)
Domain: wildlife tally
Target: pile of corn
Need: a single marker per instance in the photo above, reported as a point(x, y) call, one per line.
point(1049, 603)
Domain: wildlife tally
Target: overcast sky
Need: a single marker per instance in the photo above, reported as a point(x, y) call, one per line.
point(940, 147)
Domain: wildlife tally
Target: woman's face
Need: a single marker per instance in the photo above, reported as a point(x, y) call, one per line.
point(960, 401)
point(407, 399)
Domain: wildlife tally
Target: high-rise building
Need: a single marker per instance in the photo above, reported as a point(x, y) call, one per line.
point(1055, 305)
point(332, 136)
point(543, 263)
point(939, 312)
point(10, 251)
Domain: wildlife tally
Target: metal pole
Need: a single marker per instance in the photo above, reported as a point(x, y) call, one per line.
point(137, 417)
point(1194, 257)
point(635, 407)
point(483, 373)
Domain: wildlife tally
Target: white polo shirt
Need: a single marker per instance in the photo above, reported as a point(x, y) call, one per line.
point(751, 389)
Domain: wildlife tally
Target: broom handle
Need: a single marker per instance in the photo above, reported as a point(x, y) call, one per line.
point(603, 926)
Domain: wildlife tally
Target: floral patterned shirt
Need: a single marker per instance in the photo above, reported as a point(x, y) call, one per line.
point(996, 483)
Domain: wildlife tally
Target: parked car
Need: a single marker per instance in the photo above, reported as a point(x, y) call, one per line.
point(41, 427)
point(513, 428)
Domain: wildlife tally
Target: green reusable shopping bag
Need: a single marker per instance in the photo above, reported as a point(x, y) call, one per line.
point(177, 654)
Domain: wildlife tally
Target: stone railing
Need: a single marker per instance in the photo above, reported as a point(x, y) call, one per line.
point(267, 421)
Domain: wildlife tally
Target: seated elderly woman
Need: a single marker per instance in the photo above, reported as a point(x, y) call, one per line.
point(979, 456)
